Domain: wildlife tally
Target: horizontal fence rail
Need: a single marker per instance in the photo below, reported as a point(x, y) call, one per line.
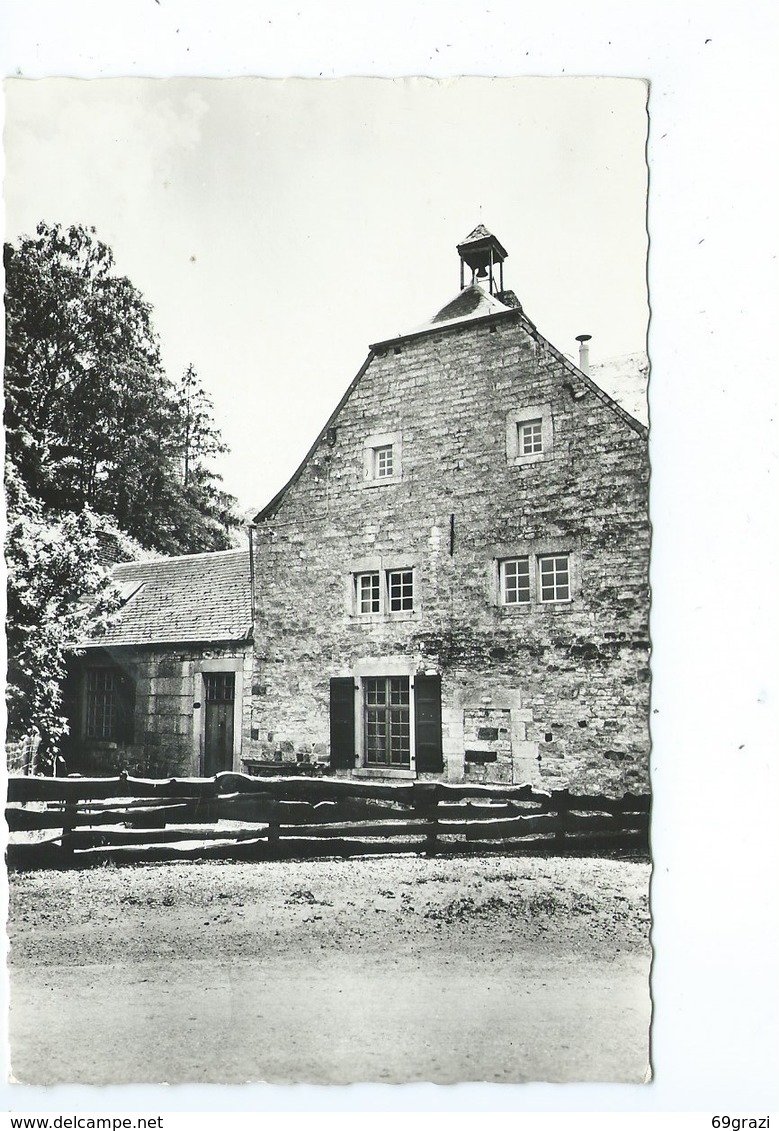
point(238, 817)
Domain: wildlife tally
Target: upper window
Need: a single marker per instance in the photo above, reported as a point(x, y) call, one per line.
point(529, 434)
point(382, 462)
point(400, 587)
point(369, 592)
point(384, 591)
point(515, 581)
point(544, 578)
point(383, 459)
point(530, 441)
point(554, 578)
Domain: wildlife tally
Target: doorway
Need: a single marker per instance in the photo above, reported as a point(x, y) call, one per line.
point(219, 695)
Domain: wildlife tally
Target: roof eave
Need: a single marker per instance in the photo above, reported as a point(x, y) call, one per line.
point(588, 382)
point(175, 642)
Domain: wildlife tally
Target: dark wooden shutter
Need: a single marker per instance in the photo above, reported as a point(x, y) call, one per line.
point(427, 723)
point(342, 723)
point(125, 708)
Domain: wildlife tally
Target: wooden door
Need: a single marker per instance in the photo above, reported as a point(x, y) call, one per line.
point(219, 693)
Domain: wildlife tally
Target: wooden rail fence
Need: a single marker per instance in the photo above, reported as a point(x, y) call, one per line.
point(237, 817)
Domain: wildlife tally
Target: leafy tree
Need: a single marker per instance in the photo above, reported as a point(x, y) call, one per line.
point(204, 508)
point(92, 420)
point(58, 594)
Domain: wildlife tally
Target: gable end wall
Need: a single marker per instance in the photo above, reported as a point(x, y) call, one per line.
point(574, 677)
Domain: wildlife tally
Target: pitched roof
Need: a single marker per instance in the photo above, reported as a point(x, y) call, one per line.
point(197, 598)
point(478, 233)
point(471, 302)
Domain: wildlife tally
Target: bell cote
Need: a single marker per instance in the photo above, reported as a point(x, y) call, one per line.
point(482, 254)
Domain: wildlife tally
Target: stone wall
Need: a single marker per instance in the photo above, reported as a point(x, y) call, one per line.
point(573, 676)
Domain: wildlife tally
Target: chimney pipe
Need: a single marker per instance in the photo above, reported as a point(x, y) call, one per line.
point(584, 352)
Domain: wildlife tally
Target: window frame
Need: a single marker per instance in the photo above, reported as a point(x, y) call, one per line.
point(384, 575)
point(554, 558)
point(110, 697)
point(375, 443)
point(395, 714)
point(520, 418)
point(503, 579)
point(534, 555)
point(359, 579)
point(530, 430)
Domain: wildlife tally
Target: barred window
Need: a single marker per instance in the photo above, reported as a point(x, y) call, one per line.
point(101, 704)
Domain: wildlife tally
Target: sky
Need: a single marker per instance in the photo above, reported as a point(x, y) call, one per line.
point(278, 227)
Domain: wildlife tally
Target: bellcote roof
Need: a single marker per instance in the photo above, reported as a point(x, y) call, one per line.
point(475, 248)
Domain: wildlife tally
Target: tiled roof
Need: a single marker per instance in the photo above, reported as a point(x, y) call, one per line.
point(198, 598)
point(471, 302)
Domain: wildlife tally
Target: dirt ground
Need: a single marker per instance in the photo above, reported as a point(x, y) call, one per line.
point(388, 969)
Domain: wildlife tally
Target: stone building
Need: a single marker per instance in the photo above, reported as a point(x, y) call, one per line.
point(167, 690)
point(453, 585)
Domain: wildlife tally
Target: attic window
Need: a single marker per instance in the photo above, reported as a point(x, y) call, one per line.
point(382, 463)
point(529, 434)
point(529, 437)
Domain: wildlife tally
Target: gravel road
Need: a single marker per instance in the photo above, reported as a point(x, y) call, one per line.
point(394, 969)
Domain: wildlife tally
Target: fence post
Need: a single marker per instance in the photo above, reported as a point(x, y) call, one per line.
point(425, 802)
point(68, 825)
point(274, 825)
point(561, 799)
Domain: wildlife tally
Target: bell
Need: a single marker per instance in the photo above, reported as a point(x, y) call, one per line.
point(482, 272)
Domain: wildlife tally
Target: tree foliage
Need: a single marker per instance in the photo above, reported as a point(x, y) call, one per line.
point(58, 595)
point(100, 445)
point(91, 418)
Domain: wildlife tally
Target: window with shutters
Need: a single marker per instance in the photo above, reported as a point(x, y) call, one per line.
point(386, 723)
